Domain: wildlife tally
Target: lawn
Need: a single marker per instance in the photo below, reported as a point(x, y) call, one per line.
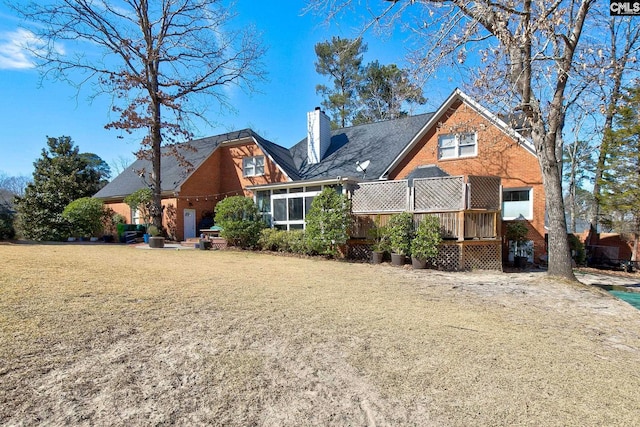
point(112, 335)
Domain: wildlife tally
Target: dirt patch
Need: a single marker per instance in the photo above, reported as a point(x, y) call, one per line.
point(108, 335)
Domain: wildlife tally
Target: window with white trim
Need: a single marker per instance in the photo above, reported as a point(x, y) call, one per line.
point(517, 203)
point(287, 208)
point(253, 166)
point(136, 216)
point(453, 146)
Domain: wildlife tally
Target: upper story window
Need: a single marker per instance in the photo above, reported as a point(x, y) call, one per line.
point(517, 203)
point(452, 146)
point(253, 166)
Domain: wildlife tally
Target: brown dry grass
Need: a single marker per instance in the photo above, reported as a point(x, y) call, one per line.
point(110, 335)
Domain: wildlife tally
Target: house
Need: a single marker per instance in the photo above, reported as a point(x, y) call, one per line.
point(221, 166)
point(461, 138)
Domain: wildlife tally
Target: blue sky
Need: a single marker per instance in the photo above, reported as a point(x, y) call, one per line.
point(31, 111)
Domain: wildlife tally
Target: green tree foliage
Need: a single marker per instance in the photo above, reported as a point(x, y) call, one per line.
point(241, 224)
point(362, 94)
point(383, 92)
point(340, 60)
point(85, 217)
point(141, 200)
point(328, 222)
point(620, 184)
point(96, 165)
point(427, 238)
point(401, 233)
point(60, 176)
point(10, 187)
point(7, 231)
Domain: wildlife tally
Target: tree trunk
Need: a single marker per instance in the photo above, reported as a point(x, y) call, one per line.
point(558, 249)
point(156, 138)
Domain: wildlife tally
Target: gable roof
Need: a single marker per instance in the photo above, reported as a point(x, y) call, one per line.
point(458, 95)
point(379, 142)
point(384, 144)
point(174, 174)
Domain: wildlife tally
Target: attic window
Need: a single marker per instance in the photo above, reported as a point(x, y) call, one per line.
point(452, 146)
point(253, 166)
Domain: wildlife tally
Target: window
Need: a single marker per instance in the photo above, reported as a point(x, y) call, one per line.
point(253, 166)
point(286, 209)
point(295, 209)
point(136, 217)
point(452, 146)
point(517, 203)
point(263, 200)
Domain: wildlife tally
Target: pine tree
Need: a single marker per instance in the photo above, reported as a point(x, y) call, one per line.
point(341, 60)
point(384, 91)
point(620, 182)
point(61, 176)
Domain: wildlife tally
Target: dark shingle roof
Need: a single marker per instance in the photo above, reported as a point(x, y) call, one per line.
point(426, 171)
point(173, 173)
point(379, 142)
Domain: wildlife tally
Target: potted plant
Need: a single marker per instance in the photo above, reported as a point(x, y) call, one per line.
point(425, 243)
point(156, 240)
point(380, 236)
point(517, 233)
point(400, 236)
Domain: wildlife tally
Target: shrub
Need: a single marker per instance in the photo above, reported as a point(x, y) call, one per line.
point(577, 250)
point(427, 238)
point(283, 241)
point(154, 231)
point(295, 241)
point(401, 233)
point(7, 231)
point(380, 236)
point(110, 221)
point(85, 216)
point(517, 232)
point(240, 222)
point(271, 239)
point(328, 222)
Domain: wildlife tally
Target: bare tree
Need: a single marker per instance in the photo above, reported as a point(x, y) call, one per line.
point(120, 163)
point(520, 55)
point(162, 61)
point(13, 185)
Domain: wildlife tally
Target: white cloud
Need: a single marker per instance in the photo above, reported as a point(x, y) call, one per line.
point(13, 52)
point(16, 49)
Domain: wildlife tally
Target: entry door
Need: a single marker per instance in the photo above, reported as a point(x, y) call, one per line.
point(189, 223)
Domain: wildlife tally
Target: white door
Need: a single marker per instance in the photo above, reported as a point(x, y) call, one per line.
point(189, 223)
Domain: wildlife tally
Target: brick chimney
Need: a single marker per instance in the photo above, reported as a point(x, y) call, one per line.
point(318, 135)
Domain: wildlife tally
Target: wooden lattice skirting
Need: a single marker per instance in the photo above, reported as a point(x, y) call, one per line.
point(452, 255)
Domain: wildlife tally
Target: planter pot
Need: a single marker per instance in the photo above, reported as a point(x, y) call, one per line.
point(376, 257)
point(156, 242)
point(398, 259)
point(145, 237)
point(418, 264)
point(520, 262)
